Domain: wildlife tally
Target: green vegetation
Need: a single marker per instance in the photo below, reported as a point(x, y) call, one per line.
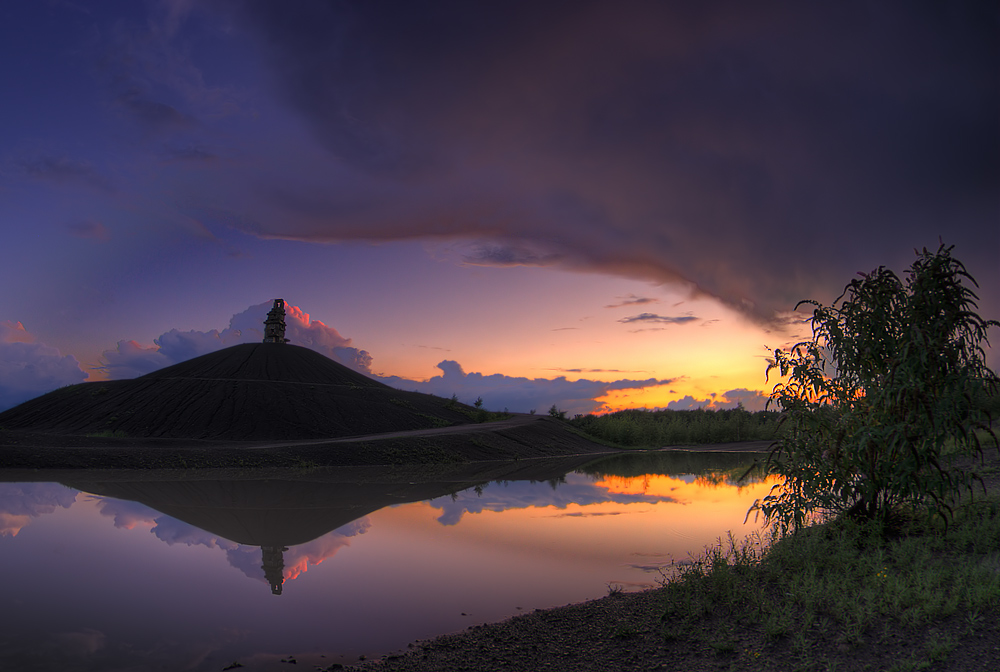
point(882, 410)
point(640, 428)
point(883, 396)
point(812, 599)
point(732, 468)
point(554, 412)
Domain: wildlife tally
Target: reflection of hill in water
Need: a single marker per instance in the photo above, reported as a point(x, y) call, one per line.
point(288, 509)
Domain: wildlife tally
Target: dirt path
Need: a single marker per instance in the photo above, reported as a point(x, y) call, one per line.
point(519, 420)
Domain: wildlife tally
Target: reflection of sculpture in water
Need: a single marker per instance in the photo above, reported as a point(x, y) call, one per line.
point(274, 325)
point(274, 565)
point(289, 509)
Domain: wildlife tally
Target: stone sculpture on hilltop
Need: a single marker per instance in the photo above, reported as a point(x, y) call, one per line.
point(274, 325)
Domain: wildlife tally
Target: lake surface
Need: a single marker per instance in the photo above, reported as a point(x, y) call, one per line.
point(196, 570)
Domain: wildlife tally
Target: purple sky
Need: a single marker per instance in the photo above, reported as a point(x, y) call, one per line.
point(569, 200)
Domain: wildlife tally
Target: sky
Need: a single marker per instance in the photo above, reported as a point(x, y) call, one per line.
point(589, 204)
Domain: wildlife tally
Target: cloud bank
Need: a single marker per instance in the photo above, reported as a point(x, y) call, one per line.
point(752, 400)
point(519, 394)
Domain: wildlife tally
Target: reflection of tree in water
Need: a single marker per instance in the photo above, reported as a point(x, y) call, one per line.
point(712, 468)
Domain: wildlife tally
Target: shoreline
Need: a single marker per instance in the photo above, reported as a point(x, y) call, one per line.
point(624, 631)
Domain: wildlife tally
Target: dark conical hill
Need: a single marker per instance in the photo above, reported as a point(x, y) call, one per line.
point(270, 362)
point(249, 392)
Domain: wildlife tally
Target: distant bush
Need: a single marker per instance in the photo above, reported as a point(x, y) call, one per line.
point(652, 429)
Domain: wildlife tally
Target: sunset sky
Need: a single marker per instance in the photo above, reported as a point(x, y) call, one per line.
point(590, 204)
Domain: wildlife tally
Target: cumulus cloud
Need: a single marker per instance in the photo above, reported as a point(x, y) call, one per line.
point(519, 394)
point(29, 368)
point(130, 359)
point(752, 400)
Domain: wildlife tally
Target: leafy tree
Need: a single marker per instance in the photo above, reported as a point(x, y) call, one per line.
point(881, 397)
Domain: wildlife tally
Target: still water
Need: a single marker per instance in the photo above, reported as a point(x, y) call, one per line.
point(195, 571)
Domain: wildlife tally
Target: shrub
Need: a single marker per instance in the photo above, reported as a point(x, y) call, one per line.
point(882, 395)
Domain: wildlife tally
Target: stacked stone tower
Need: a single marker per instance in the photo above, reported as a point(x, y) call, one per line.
point(274, 325)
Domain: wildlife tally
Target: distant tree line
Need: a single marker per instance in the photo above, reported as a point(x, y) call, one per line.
point(651, 429)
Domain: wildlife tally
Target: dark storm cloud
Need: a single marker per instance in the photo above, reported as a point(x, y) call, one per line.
point(757, 152)
point(658, 319)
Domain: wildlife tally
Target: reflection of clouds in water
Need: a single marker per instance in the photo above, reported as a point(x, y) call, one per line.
point(576, 489)
point(20, 502)
point(298, 558)
point(126, 514)
point(247, 559)
point(175, 531)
